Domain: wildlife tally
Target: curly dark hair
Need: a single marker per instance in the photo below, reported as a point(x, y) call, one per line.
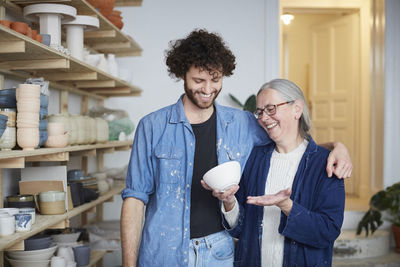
point(200, 49)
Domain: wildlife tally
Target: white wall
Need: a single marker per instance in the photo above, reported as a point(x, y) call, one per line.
point(392, 94)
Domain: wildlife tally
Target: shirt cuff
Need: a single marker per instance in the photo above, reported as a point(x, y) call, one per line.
point(231, 216)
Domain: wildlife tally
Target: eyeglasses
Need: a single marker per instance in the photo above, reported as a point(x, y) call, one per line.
point(269, 109)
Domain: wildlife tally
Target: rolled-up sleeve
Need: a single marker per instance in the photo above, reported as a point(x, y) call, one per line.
point(140, 178)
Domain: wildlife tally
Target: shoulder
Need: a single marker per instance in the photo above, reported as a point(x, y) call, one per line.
point(157, 116)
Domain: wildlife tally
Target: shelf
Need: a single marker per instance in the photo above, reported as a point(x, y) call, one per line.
point(25, 57)
point(107, 39)
point(95, 256)
point(17, 158)
point(48, 221)
point(128, 2)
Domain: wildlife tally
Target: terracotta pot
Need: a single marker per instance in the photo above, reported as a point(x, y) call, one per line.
point(29, 32)
point(396, 234)
point(34, 34)
point(39, 38)
point(6, 23)
point(20, 27)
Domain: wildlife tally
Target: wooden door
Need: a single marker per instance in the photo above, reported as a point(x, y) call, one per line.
point(334, 83)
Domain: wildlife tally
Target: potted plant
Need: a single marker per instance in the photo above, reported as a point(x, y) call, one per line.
point(385, 200)
point(249, 105)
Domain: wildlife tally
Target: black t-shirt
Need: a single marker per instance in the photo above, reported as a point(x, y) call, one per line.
point(205, 215)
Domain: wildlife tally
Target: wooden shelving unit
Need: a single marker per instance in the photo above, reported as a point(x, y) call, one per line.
point(107, 39)
point(57, 221)
point(22, 56)
point(128, 2)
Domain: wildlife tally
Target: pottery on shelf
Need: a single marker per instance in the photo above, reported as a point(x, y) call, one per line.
point(50, 17)
point(57, 140)
point(6, 23)
point(28, 138)
point(20, 27)
point(75, 29)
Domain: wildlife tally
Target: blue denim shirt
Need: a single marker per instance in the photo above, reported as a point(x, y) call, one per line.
point(160, 174)
point(315, 219)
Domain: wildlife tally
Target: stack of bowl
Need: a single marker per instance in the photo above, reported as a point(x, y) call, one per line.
point(63, 119)
point(3, 124)
point(57, 136)
point(28, 106)
point(7, 107)
point(44, 103)
point(87, 188)
point(38, 251)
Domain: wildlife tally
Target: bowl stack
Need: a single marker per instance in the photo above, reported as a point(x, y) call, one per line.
point(57, 136)
point(8, 106)
point(44, 103)
point(28, 107)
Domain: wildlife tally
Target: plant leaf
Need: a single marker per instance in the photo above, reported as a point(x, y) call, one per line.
point(250, 104)
point(234, 99)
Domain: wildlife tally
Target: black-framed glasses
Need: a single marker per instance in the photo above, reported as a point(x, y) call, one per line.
point(268, 109)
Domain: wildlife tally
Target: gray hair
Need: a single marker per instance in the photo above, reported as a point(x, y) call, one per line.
point(289, 91)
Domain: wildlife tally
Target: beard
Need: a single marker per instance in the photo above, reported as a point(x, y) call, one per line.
point(200, 104)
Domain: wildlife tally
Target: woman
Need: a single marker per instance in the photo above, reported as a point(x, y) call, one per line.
point(287, 211)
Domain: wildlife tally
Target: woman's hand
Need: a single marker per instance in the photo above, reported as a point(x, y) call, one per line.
point(227, 197)
point(281, 200)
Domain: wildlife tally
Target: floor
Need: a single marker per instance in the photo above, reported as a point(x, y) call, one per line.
point(390, 260)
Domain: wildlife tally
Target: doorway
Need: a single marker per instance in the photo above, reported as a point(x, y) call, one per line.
point(323, 50)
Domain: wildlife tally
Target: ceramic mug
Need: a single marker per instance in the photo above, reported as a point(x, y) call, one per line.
point(66, 252)
point(7, 224)
point(82, 255)
point(23, 222)
point(58, 262)
point(30, 211)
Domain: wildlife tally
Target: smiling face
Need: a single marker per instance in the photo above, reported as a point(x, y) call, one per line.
point(283, 126)
point(202, 87)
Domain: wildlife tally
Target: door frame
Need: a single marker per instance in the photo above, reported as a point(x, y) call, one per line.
point(371, 93)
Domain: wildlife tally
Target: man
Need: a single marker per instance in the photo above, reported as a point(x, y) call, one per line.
point(172, 150)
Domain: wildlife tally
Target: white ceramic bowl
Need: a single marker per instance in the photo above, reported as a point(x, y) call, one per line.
point(223, 176)
point(33, 255)
point(28, 263)
point(11, 211)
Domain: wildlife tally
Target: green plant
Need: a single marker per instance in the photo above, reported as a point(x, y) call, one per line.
point(249, 105)
point(385, 200)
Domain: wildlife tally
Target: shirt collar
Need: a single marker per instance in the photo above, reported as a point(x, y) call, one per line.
point(178, 113)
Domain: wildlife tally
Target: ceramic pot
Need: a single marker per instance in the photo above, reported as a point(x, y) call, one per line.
point(57, 262)
point(57, 140)
point(11, 114)
point(82, 255)
point(30, 211)
point(73, 134)
point(8, 139)
point(7, 225)
point(102, 130)
point(34, 34)
point(20, 201)
point(28, 91)
point(396, 234)
point(28, 117)
point(6, 23)
point(23, 222)
point(39, 38)
point(20, 27)
point(46, 38)
point(8, 98)
point(28, 138)
point(28, 105)
point(55, 128)
point(29, 32)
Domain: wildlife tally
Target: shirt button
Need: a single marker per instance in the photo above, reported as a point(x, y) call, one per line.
point(294, 242)
point(190, 164)
point(197, 243)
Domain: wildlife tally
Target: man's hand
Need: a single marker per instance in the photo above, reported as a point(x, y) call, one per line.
point(281, 200)
point(227, 197)
point(339, 161)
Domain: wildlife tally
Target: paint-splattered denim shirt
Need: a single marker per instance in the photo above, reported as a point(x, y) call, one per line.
point(160, 174)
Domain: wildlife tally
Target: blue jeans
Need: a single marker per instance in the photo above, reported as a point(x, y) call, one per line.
point(212, 250)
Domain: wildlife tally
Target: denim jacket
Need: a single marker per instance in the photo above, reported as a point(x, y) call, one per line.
point(315, 219)
point(160, 174)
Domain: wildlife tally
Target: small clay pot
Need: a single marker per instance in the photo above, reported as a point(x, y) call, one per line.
point(20, 27)
point(39, 38)
point(29, 32)
point(6, 23)
point(34, 34)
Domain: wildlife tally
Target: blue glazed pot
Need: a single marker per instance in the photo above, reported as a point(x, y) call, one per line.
point(42, 138)
point(3, 124)
point(43, 113)
point(44, 101)
point(43, 125)
point(7, 98)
